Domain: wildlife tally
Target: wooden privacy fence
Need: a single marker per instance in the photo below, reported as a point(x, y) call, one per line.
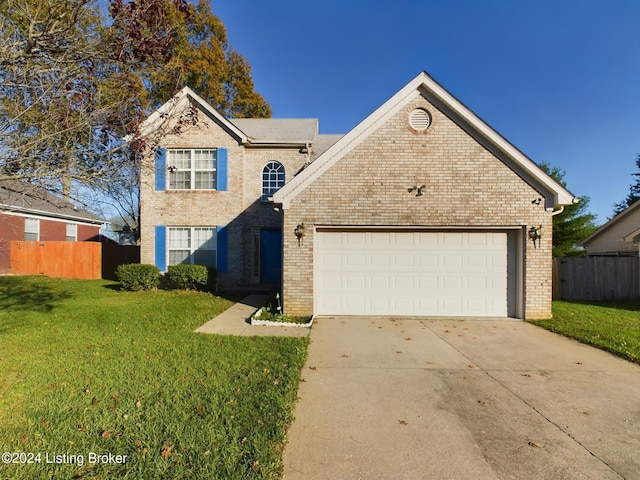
point(57, 259)
point(596, 278)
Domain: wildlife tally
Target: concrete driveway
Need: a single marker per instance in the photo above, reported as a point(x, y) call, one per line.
point(422, 398)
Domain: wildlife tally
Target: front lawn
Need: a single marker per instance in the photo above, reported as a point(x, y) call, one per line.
point(614, 327)
point(87, 370)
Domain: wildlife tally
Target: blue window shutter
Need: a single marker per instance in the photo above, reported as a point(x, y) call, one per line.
point(161, 247)
point(222, 240)
point(161, 168)
point(222, 169)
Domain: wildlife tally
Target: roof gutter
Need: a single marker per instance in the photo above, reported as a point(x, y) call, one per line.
point(561, 209)
point(276, 143)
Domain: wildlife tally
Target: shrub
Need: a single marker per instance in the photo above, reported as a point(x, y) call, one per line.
point(137, 276)
point(188, 277)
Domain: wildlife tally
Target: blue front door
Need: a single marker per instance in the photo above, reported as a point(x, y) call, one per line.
point(270, 256)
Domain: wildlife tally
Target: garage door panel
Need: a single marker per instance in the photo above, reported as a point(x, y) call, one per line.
point(354, 238)
point(332, 238)
point(402, 282)
point(427, 304)
point(453, 260)
point(479, 283)
point(403, 306)
point(449, 282)
point(381, 304)
point(427, 260)
point(411, 273)
point(403, 260)
point(380, 282)
point(428, 282)
point(383, 239)
point(380, 260)
point(355, 260)
point(356, 282)
point(477, 261)
point(329, 259)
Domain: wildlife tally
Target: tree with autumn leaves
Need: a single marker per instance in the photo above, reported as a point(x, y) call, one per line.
point(76, 80)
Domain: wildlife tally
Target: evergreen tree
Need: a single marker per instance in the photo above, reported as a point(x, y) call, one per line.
point(634, 192)
point(573, 224)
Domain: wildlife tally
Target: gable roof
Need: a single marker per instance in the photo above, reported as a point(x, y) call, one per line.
point(247, 131)
point(177, 104)
point(615, 221)
point(27, 199)
point(554, 193)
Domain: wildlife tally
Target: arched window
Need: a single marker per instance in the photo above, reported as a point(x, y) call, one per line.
point(272, 178)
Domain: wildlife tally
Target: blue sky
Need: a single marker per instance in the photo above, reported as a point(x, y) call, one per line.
point(560, 79)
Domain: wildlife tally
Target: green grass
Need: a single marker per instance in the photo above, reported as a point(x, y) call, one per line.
point(614, 327)
point(85, 367)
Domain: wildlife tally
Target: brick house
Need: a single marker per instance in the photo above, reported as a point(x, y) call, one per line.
point(33, 214)
point(421, 209)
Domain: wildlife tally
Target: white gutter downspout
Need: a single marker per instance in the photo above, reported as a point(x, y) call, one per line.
point(561, 209)
point(308, 160)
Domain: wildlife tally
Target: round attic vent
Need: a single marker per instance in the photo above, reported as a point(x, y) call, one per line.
point(419, 119)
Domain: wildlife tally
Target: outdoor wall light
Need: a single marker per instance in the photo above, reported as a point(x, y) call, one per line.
point(419, 190)
point(172, 169)
point(534, 235)
point(299, 232)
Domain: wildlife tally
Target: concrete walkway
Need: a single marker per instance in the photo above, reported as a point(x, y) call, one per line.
point(386, 398)
point(235, 321)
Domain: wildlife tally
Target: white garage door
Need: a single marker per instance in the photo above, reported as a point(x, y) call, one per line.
point(448, 273)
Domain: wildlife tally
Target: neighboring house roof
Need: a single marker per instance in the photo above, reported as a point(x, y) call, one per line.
point(19, 197)
point(555, 194)
point(618, 234)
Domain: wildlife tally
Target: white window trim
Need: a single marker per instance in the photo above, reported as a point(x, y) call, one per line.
point(74, 233)
point(37, 229)
point(192, 170)
point(191, 248)
point(269, 180)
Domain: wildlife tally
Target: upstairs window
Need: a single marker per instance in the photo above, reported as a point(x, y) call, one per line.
point(31, 229)
point(272, 178)
point(192, 169)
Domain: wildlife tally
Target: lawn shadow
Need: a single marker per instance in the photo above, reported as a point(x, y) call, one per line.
point(630, 305)
point(29, 294)
point(116, 287)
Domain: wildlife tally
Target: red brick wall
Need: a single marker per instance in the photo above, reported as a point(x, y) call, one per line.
point(52, 231)
point(88, 233)
point(12, 228)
